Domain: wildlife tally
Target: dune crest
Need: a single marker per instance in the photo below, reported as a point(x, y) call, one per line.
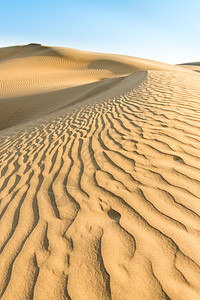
point(34, 69)
point(100, 181)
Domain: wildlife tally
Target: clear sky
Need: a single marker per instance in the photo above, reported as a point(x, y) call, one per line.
point(163, 30)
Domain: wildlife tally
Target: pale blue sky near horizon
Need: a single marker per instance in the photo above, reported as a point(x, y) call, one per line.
point(167, 31)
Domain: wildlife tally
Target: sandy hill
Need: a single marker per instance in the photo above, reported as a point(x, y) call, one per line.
point(195, 66)
point(100, 177)
point(59, 77)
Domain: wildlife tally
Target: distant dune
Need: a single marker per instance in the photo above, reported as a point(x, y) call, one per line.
point(100, 176)
point(195, 66)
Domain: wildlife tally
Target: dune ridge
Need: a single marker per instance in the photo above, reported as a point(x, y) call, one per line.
point(100, 191)
point(195, 66)
point(33, 69)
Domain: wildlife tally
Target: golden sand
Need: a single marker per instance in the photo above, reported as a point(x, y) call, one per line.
point(192, 66)
point(100, 177)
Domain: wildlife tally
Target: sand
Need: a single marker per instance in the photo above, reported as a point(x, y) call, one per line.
point(100, 176)
point(195, 66)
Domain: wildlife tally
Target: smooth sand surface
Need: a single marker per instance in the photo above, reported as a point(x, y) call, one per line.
point(195, 66)
point(100, 177)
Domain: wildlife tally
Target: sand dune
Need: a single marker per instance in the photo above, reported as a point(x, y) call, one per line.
point(195, 66)
point(100, 176)
point(33, 69)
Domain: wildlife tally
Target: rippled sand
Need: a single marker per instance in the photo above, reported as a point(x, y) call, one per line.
point(100, 177)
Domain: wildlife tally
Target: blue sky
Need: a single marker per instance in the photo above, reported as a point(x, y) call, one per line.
point(163, 30)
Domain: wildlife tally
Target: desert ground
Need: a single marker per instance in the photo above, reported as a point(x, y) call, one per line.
point(100, 176)
point(195, 66)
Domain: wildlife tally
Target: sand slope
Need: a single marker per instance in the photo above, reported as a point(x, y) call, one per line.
point(195, 66)
point(32, 69)
point(100, 182)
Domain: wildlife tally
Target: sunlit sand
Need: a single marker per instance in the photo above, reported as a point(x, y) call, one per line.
point(100, 176)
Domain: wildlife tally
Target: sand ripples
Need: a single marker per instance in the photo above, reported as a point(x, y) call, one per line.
point(104, 202)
